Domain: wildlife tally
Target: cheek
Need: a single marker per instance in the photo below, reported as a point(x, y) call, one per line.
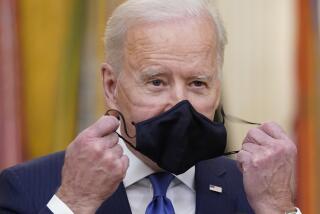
point(136, 106)
point(136, 112)
point(206, 108)
point(207, 105)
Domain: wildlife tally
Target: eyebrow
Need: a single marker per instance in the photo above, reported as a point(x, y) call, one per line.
point(202, 77)
point(205, 75)
point(159, 71)
point(153, 72)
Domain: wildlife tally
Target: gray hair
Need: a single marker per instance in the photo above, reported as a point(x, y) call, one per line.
point(133, 12)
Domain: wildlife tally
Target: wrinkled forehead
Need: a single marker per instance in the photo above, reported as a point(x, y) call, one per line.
point(184, 39)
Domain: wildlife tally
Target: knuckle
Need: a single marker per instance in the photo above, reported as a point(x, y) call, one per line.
point(268, 125)
point(109, 158)
point(119, 148)
point(273, 127)
point(255, 162)
point(242, 157)
point(250, 135)
point(269, 153)
point(251, 132)
point(125, 160)
point(258, 161)
point(276, 149)
point(118, 169)
point(290, 147)
point(246, 146)
point(286, 147)
point(96, 148)
point(277, 146)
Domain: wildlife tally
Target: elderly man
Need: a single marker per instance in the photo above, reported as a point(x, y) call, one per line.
point(162, 83)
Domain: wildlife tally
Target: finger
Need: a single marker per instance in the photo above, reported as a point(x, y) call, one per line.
point(243, 160)
point(273, 130)
point(121, 165)
point(257, 136)
point(110, 140)
point(252, 148)
point(117, 151)
point(125, 163)
point(104, 126)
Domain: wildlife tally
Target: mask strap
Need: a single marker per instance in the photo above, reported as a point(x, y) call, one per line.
point(119, 115)
point(235, 119)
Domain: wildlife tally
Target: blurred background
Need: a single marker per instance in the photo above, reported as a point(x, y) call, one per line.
point(50, 85)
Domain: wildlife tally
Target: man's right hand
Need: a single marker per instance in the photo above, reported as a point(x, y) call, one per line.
point(94, 167)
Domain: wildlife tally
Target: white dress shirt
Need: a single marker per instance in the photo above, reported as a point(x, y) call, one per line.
point(181, 190)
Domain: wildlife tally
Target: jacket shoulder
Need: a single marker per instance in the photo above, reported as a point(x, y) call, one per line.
point(30, 185)
point(221, 165)
point(224, 172)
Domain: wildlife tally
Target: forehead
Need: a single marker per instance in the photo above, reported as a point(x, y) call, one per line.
point(187, 40)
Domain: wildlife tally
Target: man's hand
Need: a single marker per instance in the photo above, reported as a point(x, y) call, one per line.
point(267, 160)
point(93, 168)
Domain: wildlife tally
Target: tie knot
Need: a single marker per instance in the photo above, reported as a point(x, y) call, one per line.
point(160, 182)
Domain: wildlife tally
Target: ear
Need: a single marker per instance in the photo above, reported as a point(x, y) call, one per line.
point(109, 85)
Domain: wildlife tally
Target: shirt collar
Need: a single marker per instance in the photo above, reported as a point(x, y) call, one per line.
point(138, 170)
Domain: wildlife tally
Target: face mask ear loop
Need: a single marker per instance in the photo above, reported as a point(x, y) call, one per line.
point(125, 140)
point(122, 118)
point(124, 125)
point(235, 119)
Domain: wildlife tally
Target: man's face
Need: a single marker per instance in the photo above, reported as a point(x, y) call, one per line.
point(165, 63)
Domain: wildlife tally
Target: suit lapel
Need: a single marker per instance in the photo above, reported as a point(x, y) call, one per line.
point(207, 201)
point(117, 203)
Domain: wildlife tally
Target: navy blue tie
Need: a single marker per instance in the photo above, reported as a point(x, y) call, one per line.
point(160, 204)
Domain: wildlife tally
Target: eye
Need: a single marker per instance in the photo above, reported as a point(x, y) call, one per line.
point(157, 82)
point(198, 83)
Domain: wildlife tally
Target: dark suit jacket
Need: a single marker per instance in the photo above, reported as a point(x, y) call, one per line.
point(28, 187)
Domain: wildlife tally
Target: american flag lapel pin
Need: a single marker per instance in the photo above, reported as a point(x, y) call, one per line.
point(215, 188)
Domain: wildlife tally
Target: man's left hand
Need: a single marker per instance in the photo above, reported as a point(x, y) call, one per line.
point(267, 161)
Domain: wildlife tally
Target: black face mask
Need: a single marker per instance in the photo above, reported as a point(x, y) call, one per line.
point(179, 138)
